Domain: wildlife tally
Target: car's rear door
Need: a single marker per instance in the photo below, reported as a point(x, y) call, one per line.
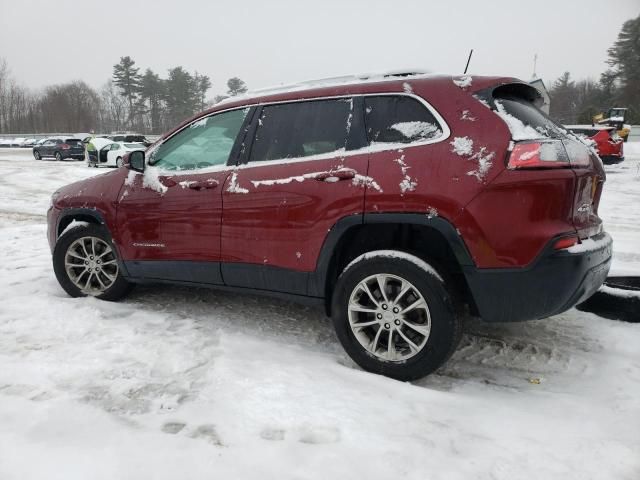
point(46, 150)
point(169, 217)
point(302, 174)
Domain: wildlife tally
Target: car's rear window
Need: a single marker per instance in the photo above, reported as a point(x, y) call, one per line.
point(134, 138)
point(134, 145)
point(73, 141)
point(584, 131)
point(526, 112)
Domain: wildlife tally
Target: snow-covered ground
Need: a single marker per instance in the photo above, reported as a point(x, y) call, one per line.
point(187, 383)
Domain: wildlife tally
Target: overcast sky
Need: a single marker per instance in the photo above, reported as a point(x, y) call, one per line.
point(280, 41)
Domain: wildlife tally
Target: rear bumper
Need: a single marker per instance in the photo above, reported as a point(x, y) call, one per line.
point(609, 159)
point(76, 155)
point(552, 284)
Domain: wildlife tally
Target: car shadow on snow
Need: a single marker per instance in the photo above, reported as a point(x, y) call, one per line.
point(505, 355)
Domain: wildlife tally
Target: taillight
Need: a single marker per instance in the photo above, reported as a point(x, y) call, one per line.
point(538, 155)
point(549, 154)
point(64, 146)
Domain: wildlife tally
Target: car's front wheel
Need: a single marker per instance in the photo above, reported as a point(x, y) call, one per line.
point(394, 315)
point(85, 263)
point(119, 162)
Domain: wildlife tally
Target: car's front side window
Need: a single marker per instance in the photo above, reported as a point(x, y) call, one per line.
point(206, 142)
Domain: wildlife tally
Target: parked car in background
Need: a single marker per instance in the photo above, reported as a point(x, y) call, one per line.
point(130, 138)
point(17, 142)
point(397, 204)
point(29, 142)
point(111, 155)
point(609, 145)
point(6, 142)
point(60, 149)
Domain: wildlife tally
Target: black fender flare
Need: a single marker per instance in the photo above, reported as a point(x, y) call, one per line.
point(77, 212)
point(318, 279)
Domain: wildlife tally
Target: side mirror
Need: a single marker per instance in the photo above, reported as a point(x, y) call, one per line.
point(134, 161)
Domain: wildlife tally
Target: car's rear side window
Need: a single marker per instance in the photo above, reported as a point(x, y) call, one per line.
point(302, 129)
point(399, 119)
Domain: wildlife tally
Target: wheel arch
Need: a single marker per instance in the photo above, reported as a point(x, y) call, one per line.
point(431, 238)
point(79, 215)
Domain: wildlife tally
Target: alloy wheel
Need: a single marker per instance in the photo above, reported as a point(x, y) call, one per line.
point(91, 265)
point(389, 317)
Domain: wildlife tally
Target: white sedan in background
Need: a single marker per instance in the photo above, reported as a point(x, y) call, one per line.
point(111, 155)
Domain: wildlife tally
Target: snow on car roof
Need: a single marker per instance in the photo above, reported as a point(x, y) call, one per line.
point(394, 75)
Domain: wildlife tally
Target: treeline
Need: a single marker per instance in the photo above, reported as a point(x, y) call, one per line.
point(619, 86)
point(130, 100)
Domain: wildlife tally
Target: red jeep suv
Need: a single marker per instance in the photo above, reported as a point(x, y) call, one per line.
point(398, 203)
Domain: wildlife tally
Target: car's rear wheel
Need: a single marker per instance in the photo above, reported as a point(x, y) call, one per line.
point(394, 315)
point(58, 156)
point(86, 264)
point(119, 162)
point(36, 155)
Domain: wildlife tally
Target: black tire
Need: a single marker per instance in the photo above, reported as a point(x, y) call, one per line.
point(119, 162)
point(117, 290)
point(446, 324)
point(36, 155)
point(58, 157)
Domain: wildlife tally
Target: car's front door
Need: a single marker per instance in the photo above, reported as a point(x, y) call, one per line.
point(169, 216)
point(302, 175)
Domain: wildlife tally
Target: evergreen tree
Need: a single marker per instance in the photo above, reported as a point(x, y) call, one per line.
point(563, 99)
point(127, 78)
point(236, 86)
point(180, 95)
point(202, 85)
point(624, 59)
point(151, 94)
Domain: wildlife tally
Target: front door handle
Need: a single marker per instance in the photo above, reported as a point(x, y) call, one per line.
point(204, 185)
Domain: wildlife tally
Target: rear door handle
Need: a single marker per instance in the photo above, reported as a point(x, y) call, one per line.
point(336, 175)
